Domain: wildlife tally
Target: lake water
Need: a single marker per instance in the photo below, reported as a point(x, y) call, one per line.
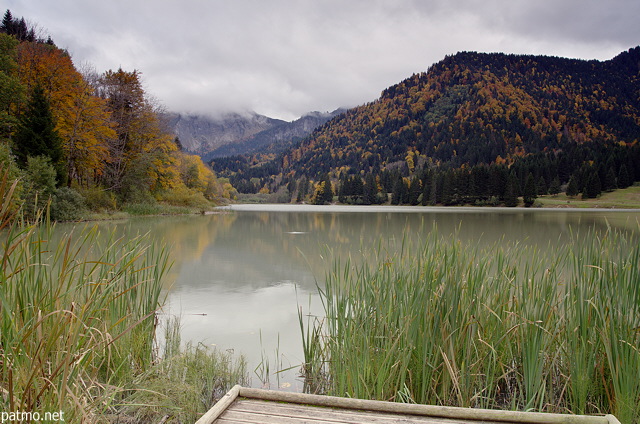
point(240, 275)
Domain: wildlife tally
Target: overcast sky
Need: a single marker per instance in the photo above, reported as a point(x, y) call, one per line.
point(283, 58)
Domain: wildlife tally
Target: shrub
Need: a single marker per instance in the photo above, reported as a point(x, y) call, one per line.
point(183, 196)
point(98, 199)
point(67, 205)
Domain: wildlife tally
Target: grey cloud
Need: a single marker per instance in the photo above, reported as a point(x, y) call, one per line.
point(286, 57)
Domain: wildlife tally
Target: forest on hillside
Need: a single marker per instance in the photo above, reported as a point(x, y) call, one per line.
point(474, 129)
point(80, 141)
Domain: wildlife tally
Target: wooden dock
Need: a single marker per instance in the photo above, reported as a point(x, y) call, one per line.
point(257, 406)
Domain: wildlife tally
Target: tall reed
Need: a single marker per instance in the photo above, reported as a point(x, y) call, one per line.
point(76, 318)
point(510, 327)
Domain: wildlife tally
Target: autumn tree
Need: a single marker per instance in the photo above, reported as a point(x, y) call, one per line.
point(141, 144)
point(82, 118)
point(87, 131)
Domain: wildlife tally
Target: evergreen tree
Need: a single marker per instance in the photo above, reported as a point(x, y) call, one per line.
point(511, 192)
point(357, 188)
point(610, 183)
point(572, 187)
point(400, 192)
point(327, 193)
point(593, 187)
point(554, 188)
point(370, 189)
point(343, 189)
point(529, 195)
point(178, 144)
point(7, 23)
point(448, 189)
point(541, 187)
point(37, 135)
point(414, 191)
point(433, 190)
point(623, 177)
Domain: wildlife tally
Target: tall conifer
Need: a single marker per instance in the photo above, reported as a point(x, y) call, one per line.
point(37, 135)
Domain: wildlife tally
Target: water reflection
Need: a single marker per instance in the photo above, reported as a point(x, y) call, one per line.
point(242, 272)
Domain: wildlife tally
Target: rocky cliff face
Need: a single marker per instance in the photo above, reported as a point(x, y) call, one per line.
point(201, 135)
point(277, 138)
point(234, 134)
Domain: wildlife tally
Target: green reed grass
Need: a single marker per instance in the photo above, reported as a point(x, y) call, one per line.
point(78, 320)
point(74, 326)
point(508, 327)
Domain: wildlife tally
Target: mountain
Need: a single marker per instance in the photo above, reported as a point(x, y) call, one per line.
point(467, 110)
point(277, 138)
point(201, 134)
point(473, 108)
point(234, 134)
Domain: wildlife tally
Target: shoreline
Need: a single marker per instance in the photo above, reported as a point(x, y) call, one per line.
point(297, 207)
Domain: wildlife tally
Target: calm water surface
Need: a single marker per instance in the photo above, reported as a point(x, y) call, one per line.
point(240, 275)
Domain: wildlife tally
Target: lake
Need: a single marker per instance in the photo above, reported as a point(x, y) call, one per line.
point(239, 275)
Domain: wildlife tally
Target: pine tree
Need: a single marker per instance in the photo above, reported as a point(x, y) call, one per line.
point(541, 187)
point(415, 189)
point(37, 135)
point(7, 23)
point(529, 195)
point(610, 183)
point(554, 188)
point(400, 192)
point(370, 189)
point(623, 177)
point(511, 192)
point(448, 192)
point(572, 187)
point(593, 187)
point(327, 193)
point(433, 190)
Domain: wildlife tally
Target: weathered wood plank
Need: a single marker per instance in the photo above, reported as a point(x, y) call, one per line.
point(305, 412)
point(256, 406)
point(465, 414)
point(220, 406)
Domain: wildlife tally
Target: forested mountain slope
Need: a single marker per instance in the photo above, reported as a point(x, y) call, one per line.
point(474, 109)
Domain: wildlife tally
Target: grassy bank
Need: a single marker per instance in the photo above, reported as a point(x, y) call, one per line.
point(78, 324)
point(438, 322)
point(627, 198)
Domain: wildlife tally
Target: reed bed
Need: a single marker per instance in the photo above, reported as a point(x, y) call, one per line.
point(74, 327)
point(78, 321)
point(506, 327)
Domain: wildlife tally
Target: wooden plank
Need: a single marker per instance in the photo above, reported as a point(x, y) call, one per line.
point(256, 406)
point(305, 412)
point(465, 414)
point(220, 406)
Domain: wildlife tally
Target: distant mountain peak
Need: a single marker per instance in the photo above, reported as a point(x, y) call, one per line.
point(241, 132)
